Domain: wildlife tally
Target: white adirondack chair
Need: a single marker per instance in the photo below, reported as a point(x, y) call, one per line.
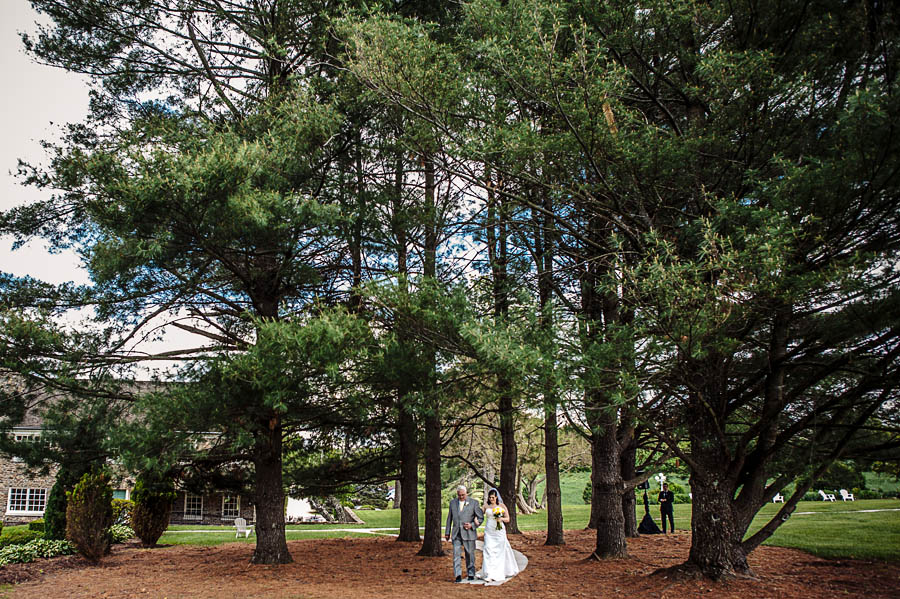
point(846, 496)
point(826, 496)
point(779, 498)
point(242, 528)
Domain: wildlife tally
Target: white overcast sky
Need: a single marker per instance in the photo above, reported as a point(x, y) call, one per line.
point(37, 100)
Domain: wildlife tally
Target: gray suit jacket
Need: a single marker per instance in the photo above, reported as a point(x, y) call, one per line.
point(458, 515)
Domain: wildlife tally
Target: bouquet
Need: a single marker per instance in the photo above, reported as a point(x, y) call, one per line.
point(498, 513)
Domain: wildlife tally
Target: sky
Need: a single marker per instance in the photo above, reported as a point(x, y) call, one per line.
point(36, 102)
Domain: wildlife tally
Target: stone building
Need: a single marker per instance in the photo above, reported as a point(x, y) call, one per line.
point(23, 494)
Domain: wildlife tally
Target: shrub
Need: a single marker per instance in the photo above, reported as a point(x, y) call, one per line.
point(840, 475)
point(28, 552)
point(674, 487)
point(55, 510)
point(18, 536)
point(119, 533)
point(122, 511)
point(682, 498)
point(89, 515)
point(152, 506)
point(1, 527)
point(587, 493)
point(37, 525)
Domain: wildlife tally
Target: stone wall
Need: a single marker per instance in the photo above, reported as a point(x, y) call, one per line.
point(211, 511)
point(14, 475)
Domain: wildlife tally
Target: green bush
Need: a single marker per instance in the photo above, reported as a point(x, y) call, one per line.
point(674, 487)
point(152, 506)
point(89, 515)
point(652, 496)
point(55, 510)
point(18, 536)
point(37, 525)
point(122, 511)
point(28, 552)
point(682, 498)
point(840, 475)
point(119, 533)
point(587, 493)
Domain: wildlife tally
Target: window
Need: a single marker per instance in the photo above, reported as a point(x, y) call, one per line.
point(231, 506)
point(120, 494)
point(25, 438)
point(26, 501)
point(193, 506)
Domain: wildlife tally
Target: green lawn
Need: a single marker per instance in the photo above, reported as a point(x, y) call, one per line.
point(227, 536)
point(833, 530)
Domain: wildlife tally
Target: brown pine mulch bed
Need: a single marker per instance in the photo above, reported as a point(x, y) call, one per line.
point(382, 567)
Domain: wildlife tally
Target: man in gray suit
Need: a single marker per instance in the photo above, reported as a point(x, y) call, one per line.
point(462, 524)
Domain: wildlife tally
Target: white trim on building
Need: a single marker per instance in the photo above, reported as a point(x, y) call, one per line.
point(21, 501)
point(193, 506)
point(231, 507)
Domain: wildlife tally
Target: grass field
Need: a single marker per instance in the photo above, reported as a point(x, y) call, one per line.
point(833, 530)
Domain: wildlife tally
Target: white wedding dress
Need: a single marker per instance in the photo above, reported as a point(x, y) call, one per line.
point(498, 561)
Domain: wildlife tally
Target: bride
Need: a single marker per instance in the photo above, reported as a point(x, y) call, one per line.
point(497, 562)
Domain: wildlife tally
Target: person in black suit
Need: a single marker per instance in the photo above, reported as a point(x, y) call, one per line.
point(666, 507)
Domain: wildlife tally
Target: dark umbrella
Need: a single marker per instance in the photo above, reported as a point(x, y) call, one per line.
point(648, 525)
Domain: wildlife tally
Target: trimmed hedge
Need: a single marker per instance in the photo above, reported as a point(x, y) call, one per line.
point(37, 525)
point(152, 506)
point(89, 515)
point(19, 536)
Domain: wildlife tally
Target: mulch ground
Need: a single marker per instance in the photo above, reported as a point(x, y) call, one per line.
point(382, 567)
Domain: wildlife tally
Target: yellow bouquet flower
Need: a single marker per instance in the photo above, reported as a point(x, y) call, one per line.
point(498, 513)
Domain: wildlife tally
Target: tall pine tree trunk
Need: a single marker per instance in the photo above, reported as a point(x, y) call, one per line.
point(606, 480)
point(600, 313)
point(543, 253)
point(716, 536)
point(408, 437)
point(431, 545)
point(398, 494)
point(716, 532)
point(509, 460)
point(271, 547)
point(555, 535)
point(629, 501)
point(498, 255)
point(409, 477)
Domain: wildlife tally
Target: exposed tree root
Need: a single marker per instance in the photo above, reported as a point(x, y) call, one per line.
point(690, 571)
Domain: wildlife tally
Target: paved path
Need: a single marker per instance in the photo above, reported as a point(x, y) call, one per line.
point(890, 509)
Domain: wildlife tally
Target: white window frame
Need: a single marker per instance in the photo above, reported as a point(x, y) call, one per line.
point(30, 496)
point(22, 436)
point(192, 516)
point(237, 508)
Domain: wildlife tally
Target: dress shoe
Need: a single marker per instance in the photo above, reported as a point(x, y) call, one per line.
point(458, 579)
point(471, 578)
